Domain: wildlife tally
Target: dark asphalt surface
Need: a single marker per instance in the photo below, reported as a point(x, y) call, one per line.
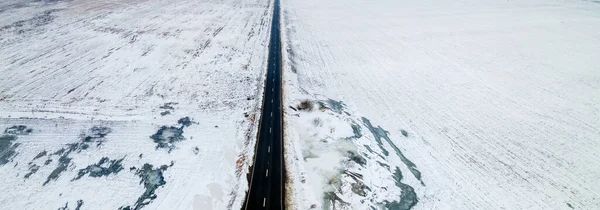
point(266, 185)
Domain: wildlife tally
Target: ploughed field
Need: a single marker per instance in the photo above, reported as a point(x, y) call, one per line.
point(443, 104)
point(129, 104)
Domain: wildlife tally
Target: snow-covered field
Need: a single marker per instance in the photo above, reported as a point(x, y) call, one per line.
point(108, 104)
point(443, 104)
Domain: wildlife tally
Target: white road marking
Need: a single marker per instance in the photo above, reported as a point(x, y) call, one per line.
point(264, 201)
point(269, 149)
point(267, 173)
point(269, 130)
point(272, 90)
point(271, 100)
point(271, 114)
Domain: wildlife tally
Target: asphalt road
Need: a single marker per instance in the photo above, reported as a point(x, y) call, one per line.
point(266, 185)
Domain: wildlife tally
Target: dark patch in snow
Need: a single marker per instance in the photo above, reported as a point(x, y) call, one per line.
point(369, 148)
point(8, 148)
point(152, 178)
point(104, 167)
point(8, 145)
point(196, 150)
point(336, 106)
point(305, 105)
point(291, 107)
point(357, 186)
point(63, 164)
point(167, 136)
point(379, 133)
point(383, 165)
point(334, 200)
point(372, 152)
point(568, 204)
point(79, 204)
point(33, 168)
point(94, 136)
point(18, 130)
point(165, 113)
point(66, 207)
point(185, 122)
point(408, 198)
point(356, 130)
point(357, 158)
point(41, 154)
point(404, 133)
point(353, 175)
point(168, 105)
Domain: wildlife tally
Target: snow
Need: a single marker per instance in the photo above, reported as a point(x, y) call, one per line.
point(498, 101)
point(96, 80)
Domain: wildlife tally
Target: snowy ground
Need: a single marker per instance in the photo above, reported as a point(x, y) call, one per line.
point(493, 104)
point(118, 103)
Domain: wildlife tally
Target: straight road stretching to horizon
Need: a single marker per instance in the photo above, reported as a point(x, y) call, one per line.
point(266, 184)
